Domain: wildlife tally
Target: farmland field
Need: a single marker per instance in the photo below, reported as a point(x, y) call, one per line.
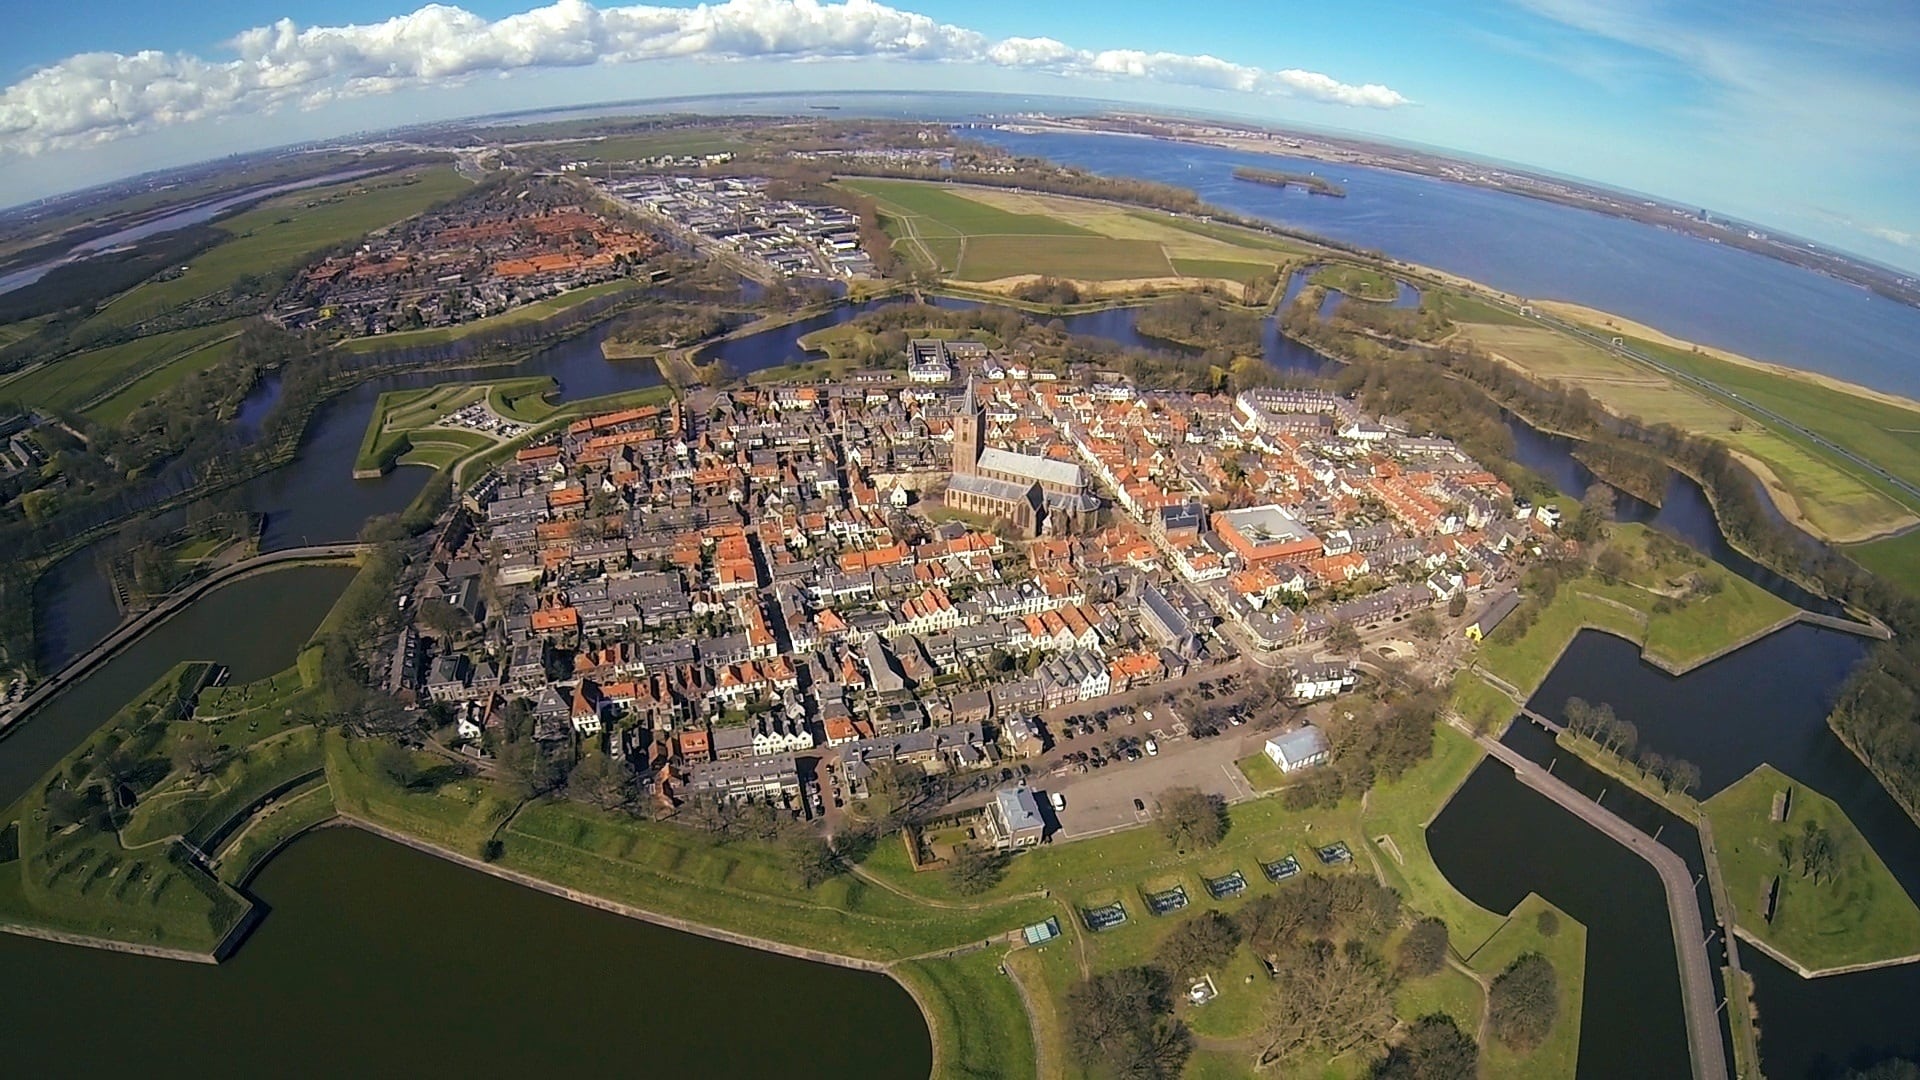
point(980, 234)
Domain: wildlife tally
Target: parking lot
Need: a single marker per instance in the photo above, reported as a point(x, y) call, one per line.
point(1102, 800)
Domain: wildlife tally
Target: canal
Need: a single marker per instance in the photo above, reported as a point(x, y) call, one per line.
point(377, 960)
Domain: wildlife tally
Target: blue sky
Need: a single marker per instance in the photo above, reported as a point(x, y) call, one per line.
point(1804, 115)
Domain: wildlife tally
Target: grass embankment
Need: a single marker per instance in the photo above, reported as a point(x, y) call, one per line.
point(74, 872)
point(978, 1023)
point(525, 313)
point(1831, 496)
point(1856, 914)
point(985, 235)
point(289, 816)
point(66, 384)
point(404, 428)
point(1688, 630)
point(1360, 282)
point(281, 234)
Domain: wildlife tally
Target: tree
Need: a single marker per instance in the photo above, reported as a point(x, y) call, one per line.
point(1457, 605)
point(67, 806)
point(1426, 626)
point(811, 857)
point(1816, 852)
point(1327, 1000)
point(1119, 1024)
point(1612, 565)
point(1191, 818)
point(1524, 1001)
point(600, 780)
point(1434, 1049)
point(1343, 638)
point(1682, 775)
point(1424, 950)
point(397, 764)
point(197, 755)
point(530, 770)
point(1547, 922)
point(1579, 714)
point(1204, 941)
point(975, 872)
point(442, 618)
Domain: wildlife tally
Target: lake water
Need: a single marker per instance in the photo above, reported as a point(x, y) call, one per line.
point(377, 960)
point(1685, 286)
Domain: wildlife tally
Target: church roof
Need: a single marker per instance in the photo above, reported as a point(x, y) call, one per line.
point(1032, 467)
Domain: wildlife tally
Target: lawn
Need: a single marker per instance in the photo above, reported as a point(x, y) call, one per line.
point(281, 234)
point(1858, 916)
point(1566, 948)
point(1361, 282)
point(525, 313)
point(69, 383)
point(1261, 772)
point(402, 428)
point(1479, 703)
point(459, 814)
point(937, 210)
point(980, 1028)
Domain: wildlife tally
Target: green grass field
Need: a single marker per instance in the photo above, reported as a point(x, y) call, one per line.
point(1221, 269)
point(292, 814)
point(1480, 703)
point(68, 383)
point(1357, 281)
point(525, 313)
point(1859, 916)
point(280, 235)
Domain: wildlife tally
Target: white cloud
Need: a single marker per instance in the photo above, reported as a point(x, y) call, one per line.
point(97, 97)
point(1899, 237)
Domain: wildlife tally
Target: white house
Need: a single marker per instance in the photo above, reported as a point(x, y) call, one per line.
point(1298, 749)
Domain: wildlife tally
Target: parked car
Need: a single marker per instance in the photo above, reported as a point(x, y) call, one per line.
point(1153, 748)
point(1139, 806)
point(1059, 801)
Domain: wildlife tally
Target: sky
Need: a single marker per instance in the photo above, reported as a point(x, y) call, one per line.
point(1800, 115)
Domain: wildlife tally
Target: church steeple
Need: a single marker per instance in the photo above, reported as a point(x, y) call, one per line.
point(969, 432)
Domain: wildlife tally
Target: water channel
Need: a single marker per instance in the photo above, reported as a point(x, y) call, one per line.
point(377, 960)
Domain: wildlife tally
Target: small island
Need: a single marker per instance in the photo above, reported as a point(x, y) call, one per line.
point(1807, 887)
point(1307, 182)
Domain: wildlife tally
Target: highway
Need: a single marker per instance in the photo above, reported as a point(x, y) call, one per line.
point(1683, 905)
point(134, 629)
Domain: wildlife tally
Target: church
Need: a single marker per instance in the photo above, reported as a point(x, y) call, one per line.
point(1043, 496)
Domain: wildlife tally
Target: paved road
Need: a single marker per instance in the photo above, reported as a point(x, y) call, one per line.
point(133, 630)
point(1683, 906)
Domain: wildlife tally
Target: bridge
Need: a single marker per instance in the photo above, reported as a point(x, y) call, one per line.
point(1683, 904)
point(137, 627)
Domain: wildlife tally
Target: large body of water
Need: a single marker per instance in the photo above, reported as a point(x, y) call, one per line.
point(378, 960)
point(1688, 287)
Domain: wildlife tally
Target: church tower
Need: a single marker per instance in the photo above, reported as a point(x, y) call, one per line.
point(969, 433)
